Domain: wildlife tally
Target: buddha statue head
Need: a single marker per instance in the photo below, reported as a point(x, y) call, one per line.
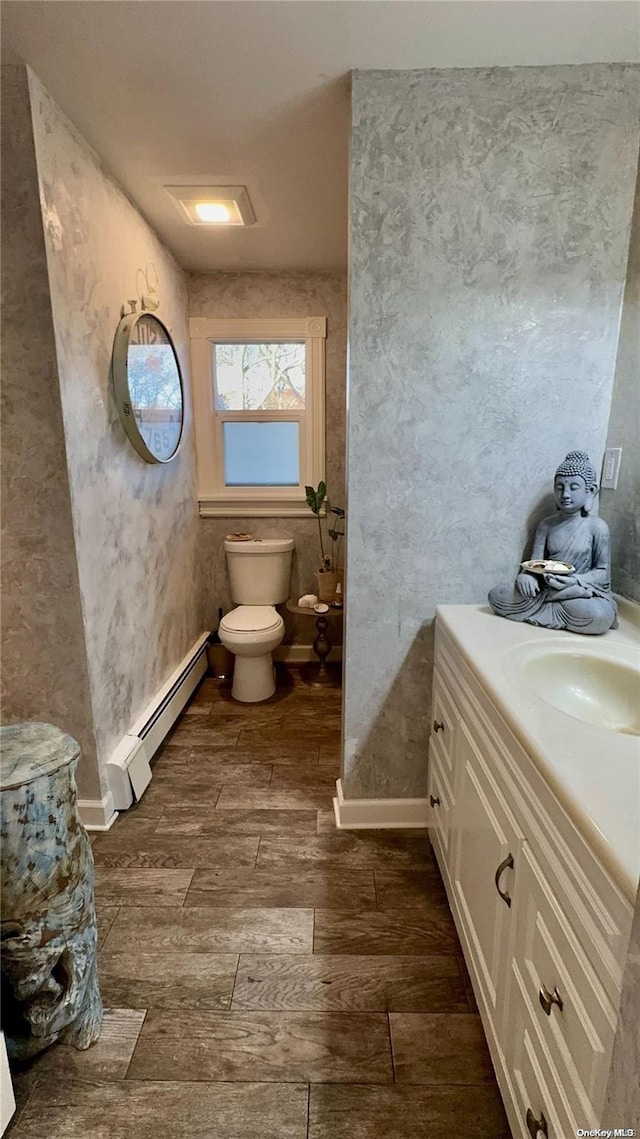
point(575, 484)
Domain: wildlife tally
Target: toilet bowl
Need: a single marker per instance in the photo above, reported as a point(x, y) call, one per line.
point(259, 572)
point(252, 632)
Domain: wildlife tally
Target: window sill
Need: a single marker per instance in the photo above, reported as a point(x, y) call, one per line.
point(254, 508)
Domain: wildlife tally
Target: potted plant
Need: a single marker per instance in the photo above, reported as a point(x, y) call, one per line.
point(330, 574)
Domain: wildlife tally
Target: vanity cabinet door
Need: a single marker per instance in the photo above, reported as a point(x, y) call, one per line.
point(571, 1012)
point(486, 851)
point(441, 802)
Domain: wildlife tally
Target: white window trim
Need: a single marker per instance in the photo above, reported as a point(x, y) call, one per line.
point(216, 500)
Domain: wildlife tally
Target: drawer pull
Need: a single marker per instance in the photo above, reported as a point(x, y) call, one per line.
point(438, 726)
point(547, 999)
point(506, 864)
point(536, 1126)
point(434, 802)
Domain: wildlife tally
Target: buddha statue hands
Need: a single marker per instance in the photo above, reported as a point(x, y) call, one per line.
point(580, 601)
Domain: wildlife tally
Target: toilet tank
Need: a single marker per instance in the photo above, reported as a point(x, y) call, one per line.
point(260, 570)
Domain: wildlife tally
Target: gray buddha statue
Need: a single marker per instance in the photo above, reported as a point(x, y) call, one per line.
point(581, 601)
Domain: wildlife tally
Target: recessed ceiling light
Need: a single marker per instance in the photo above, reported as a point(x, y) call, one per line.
point(212, 211)
point(212, 205)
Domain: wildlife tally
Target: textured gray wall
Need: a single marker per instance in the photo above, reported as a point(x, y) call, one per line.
point(136, 525)
point(44, 672)
point(489, 241)
point(621, 507)
point(262, 295)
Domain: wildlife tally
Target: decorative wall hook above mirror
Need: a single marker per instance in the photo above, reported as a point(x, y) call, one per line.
point(147, 299)
point(148, 385)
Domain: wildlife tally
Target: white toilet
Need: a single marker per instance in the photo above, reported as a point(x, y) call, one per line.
point(260, 573)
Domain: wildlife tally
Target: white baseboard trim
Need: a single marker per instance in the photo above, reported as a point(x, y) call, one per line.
point(128, 767)
point(163, 710)
point(380, 814)
point(303, 654)
point(97, 814)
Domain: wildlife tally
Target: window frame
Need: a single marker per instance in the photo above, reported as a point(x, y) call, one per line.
point(215, 500)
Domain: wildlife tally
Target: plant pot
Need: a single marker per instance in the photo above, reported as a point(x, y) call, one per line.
point(326, 585)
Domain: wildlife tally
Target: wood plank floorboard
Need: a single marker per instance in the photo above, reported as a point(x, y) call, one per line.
point(170, 785)
point(105, 917)
point(142, 980)
point(264, 975)
point(107, 1059)
point(207, 755)
point(116, 886)
point(326, 821)
point(438, 1049)
point(265, 1046)
point(275, 798)
point(222, 821)
point(351, 984)
point(388, 932)
point(179, 853)
point(77, 1109)
point(247, 718)
point(182, 777)
point(406, 1113)
point(210, 929)
point(194, 732)
point(311, 778)
point(327, 888)
point(411, 890)
point(128, 828)
point(259, 750)
point(354, 849)
point(290, 733)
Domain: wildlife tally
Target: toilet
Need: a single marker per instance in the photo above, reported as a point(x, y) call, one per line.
point(260, 573)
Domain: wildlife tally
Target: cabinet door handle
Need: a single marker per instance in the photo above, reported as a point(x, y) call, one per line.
point(438, 726)
point(536, 1126)
point(434, 802)
point(547, 999)
point(506, 864)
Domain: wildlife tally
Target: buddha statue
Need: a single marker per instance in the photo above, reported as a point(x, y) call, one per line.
point(579, 601)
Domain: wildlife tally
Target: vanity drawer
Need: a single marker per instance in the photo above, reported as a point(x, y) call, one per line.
point(555, 972)
point(445, 718)
point(538, 1097)
point(441, 801)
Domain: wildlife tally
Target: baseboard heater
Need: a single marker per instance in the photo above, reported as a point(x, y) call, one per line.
point(129, 767)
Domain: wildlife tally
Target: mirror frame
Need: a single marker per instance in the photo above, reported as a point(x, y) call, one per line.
point(121, 384)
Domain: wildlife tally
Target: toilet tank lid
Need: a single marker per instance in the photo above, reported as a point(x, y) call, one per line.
point(260, 546)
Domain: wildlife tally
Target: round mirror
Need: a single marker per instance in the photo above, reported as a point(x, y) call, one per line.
point(148, 386)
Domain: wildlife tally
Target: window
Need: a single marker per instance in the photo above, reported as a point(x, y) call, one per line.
point(259, 413)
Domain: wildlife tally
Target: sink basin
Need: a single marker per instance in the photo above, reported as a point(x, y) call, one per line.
point(589, 686)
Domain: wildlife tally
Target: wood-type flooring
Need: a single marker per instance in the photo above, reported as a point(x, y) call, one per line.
point(264, 975)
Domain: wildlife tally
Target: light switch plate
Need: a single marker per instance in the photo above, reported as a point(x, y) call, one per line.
point(611, 468)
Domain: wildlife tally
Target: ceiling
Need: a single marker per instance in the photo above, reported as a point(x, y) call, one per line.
point(257, 93)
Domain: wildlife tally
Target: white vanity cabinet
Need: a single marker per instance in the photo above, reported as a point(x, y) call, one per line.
point(485, 865)
point(543, 926)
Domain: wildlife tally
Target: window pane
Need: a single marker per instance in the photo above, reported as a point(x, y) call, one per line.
point(261, 454)
point(259, 377)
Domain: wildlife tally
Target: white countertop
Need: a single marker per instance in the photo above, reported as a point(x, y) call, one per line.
point(594, 772)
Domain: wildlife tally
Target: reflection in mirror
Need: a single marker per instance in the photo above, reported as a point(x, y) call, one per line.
point(148, 386)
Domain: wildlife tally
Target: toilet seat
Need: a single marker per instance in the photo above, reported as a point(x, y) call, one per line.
point(251, 619)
